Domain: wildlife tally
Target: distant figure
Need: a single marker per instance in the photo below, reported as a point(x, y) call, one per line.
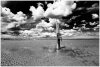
point(58, 40)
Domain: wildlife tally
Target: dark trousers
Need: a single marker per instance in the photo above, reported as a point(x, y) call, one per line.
point(58, 43)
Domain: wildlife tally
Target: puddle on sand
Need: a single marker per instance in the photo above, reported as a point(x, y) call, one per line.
point(68, 51)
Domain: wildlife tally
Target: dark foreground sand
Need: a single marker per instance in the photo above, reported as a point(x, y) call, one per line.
point(42, 53)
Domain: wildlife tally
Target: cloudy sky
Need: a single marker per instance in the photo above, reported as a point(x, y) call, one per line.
point(23, 6)
point(55, 10)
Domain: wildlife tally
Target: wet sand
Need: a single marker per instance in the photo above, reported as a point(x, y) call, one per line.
point(41, 53)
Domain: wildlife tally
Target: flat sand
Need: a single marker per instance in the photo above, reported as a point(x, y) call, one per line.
point(81, 52)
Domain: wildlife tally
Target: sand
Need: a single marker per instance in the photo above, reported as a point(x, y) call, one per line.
point(43, 53)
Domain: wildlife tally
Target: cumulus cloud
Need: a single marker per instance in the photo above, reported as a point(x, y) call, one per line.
point(44, 24)
point(92, 23)
point(37, 13)
point(6, 12)
point(11, 25)
point(56, 10)
point(60, 8)
point(20, 17)
point(52, 21)
point(7, 15)
point(94, 16)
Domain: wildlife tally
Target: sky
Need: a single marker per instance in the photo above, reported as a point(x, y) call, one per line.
point(16, 6)
point(55, 10)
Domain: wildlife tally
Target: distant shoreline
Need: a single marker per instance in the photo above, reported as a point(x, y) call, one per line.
point(52, 38)
point(75, 37)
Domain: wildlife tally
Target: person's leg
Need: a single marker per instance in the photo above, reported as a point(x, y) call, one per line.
point(58, 43)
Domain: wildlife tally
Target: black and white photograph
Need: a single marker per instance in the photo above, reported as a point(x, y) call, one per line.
point(49, 32)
